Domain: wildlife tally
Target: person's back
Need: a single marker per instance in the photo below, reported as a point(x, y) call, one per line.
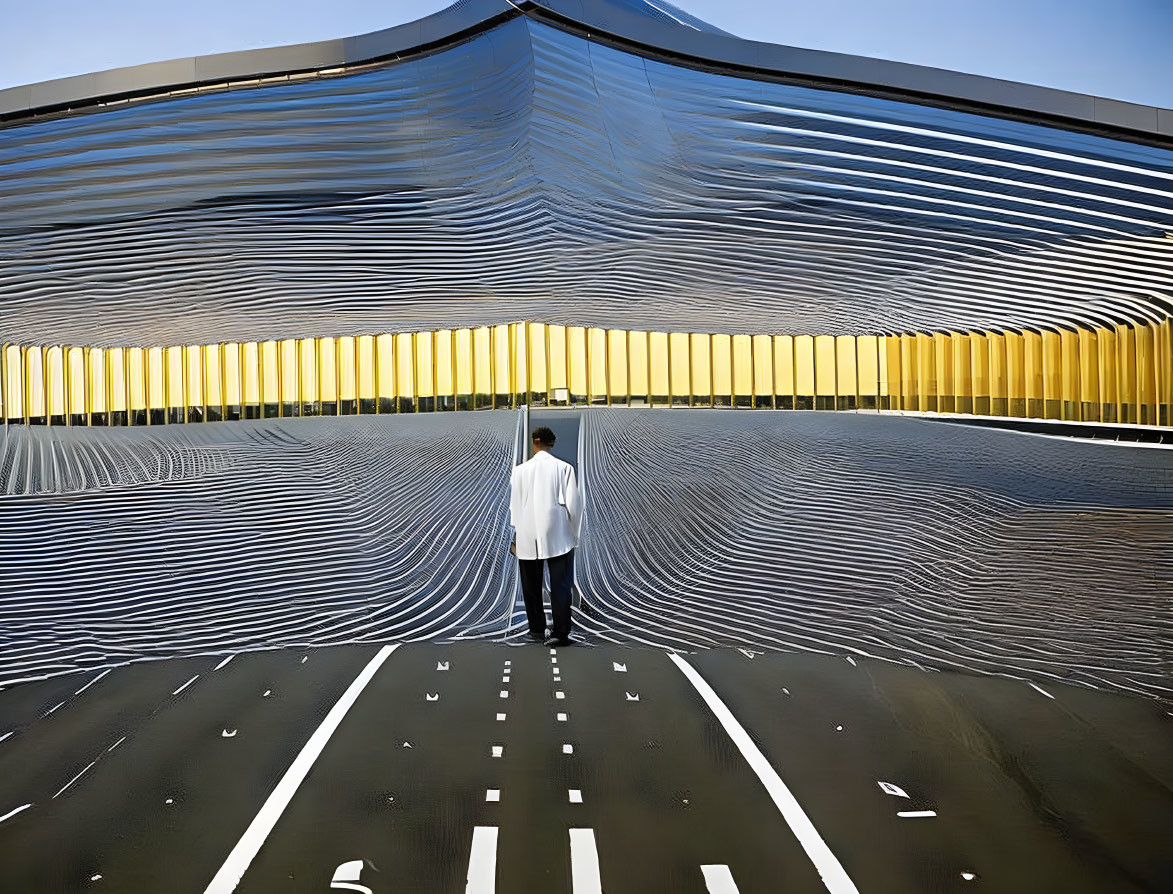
point(545, 510)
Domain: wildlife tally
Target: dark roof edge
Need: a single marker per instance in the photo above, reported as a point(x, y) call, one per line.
point(618, 24)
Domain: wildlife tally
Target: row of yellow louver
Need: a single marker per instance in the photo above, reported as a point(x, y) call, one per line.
point(1124, 374)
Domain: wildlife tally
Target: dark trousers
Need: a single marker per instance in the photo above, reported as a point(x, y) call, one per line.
point(561, 583)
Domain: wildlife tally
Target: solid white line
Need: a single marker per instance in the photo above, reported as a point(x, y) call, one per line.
point(224, 662)
point(916, 813)
point(1039, 689)
point(6, 735)
point(719, 880)
point(482, 862)
point(10, 814)
point(250, 843)
point(829, 868)
point(75, 778)
point(185, 685)
point(584, 863)
point(93, 681)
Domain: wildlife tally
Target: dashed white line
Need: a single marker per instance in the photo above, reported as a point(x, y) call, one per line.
point(250, 843)
point(493, 795)
point(559, 694)
point(504, 693)
point(482, 862)
point(719, 880)
point(75, 778)
point(53, 709)
point(575, 795)
point(568, 748)
point(500, 716)
point(911, 814)
point(584, 863)
point(10, 814)
point(116, 744)
point(1040, 689)
point(93, 681)
point(6, 735)
point(185, 685)
point(830, 870)
point(498, 750)
point(562, 718)
point(222, 663)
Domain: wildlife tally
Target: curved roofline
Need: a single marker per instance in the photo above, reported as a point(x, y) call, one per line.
point(605, 21)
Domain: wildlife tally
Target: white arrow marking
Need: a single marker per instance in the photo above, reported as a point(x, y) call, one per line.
point(407, 745)
point(432, 697)
point(750, 653)
point(619, 668)
point(441, 665)
point(891, 789)
point(632, 697)
point(346, 878)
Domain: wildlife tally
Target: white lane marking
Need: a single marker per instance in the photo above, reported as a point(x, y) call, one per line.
point(568, 749)
point(346, 878)
point(116, 744)
point(493, 794)
point(631, 696)
point(584, 863)
point(432, 696)
point(254, 836)
point(185, 685)
point(575, 795)
point(1039, 689)
point(829, 868)
point(266, 693)
point(504, 693)
point(6, 735)
point(718, 879)
point(619, 668)
point(75, 778)
point(93, 681)
point(10, 814)
point(500, 716)
point(563, 717)
point(441, 665)
point(95, 878)
point(968, 876)
point(505, 679)
point(559, 694)
point(228, 734)
point(889, 789)
point(223, 663)
point(553, 660)
point(54, 708)
point(909, 814)
point(553, 651)
point(498, 751)
point(482, 862)
point(851, 661)
point(508, 663)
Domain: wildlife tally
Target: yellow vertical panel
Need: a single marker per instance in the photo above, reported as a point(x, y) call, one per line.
point(894, 374)
point(1015, 374)
point(116, 383)
point(680, 384)
point(979, 371)
point(1033, 373)
point(597, 371)
point(1106, 364)
point(445, 360)
point(1052, 375)
point(536, 359)
point(846, 376)
point(289, 374)
point(867, 371)
point(424, 365)
point(307, 360)
point(998, 391)
point(960, 347)
point(462, 349)
point(909, 396)
point(804, 372)
point(4, 382)
point(34, 377)
point(210, 368)
point(637, 367)
point(1126, 372)
point(617, 366)
point(503, 365)
point(1165, 352)
point(233, 381)
point(326, 350)
point(156, 394)
point(1089, 376)
point(384, 349)
point(658, 367)
point(14, 403)
point(271, 394)
point(743, 374)
point(482, 374)
point(405, 384)
point(1069, 350)
point(721, 366)
point(784, 371)
point(577, 357)
point(344, 366)
point(763, 371)
point(365, 368)
point(250, 384)
point(701, 374)
point(519, 337)
point(943, 344)
point(556, 357)
point(137, 364)
point(1146, 374)
point(825, 383)
point(54, 359)
point(76, 379)
point(926, 367)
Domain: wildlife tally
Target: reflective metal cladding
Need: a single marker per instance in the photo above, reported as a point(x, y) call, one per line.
point(529, 172)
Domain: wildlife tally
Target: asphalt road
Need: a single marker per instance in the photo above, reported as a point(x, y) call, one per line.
point(457, 765)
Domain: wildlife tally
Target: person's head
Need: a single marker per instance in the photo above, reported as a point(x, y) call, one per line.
point(543, 438)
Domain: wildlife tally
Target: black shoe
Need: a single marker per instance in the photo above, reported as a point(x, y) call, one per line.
point(555, 641)
point(537, 637)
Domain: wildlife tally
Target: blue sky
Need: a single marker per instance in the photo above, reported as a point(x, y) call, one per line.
point(1119, 49)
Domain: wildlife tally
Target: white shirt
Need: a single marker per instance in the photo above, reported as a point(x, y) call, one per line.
point(545, 507)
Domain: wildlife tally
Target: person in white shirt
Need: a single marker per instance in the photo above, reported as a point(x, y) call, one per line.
point(545, 509)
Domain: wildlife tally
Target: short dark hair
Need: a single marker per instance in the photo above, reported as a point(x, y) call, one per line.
point(544, 436)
